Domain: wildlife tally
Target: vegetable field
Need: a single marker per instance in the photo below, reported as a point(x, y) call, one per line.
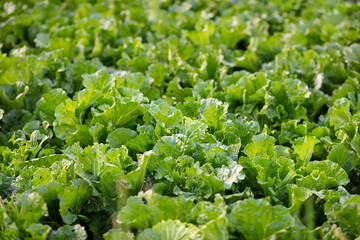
point(180, 119)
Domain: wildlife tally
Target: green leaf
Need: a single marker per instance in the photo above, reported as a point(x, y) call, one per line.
point(176, 230)
point(213, 112)
point(42, 176)
point(85, 99)
point(99, 160)
point(249, 61)
point(5, 186)
point(342, 156)
point(66, 120)
point(47, 104)
point(82, 135)
point(120, 136)
point(346, 214)
point(156, 72)
point(304, 147)
point(170, 146)
point(39, 231)
point(262, 145)
point(211, 217)
point(45, 161)
point(42, 40)
point(119, 114)
point(175, 90)
point(210, 65)
point(321, 175)
point(149, 234)
point(193, 129)
point(98, 133)
point(230, 174)
point(164, 207)
point(184, 108)
point(144, 141)
point(113, 234)
point(348, 217)
point(69, 232)
point(297, 196)
point(32, 207)
point(232, 31)
point(269, 220)
point(74, 71)
point(190, 107)
point(50, 194)
point(352, 55)
point(340, 117)
point(166, 114)
point(355, 143)
point(100, 80)
point(216, 229)
point(201, 37)
point(73, 199)
point(274, 175)
point(135, 179)
point(137, 214)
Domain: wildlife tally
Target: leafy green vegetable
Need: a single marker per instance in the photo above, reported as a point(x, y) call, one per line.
point(321, 175)
point(268, 222)
point(304, 147)
point(175, 119)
